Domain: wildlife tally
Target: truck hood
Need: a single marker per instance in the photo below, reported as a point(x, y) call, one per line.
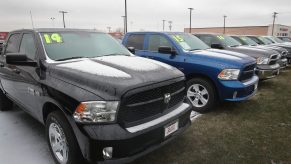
point(111, 76)
point(269, 47)
point(225, 57)
point(253, 52)
point(286, 46)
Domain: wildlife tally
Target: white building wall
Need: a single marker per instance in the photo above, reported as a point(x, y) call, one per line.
point(280, 30)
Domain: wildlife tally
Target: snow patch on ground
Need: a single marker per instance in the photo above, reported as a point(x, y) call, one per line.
point(134, 63)
point(22, 139)
point(194, 116)
point(88, 66)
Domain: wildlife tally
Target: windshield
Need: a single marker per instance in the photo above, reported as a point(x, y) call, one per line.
point(277, 40)
point(228, 41)
point(69, 45)
point(189, 42)
point(264, 40)
point(248, 41)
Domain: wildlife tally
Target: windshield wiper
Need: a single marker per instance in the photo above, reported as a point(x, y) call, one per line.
point(115, 54)
point(195, 49)
point(76, 57)
point(234, 45)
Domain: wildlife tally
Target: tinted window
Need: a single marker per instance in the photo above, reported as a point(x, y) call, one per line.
point(135, 41)
point(156, 41)
point(13, 44)
point(64, 45)
point(228, 41)
point(27, 46)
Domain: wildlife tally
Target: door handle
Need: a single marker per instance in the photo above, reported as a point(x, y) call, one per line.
point(1, 65)
point(16, 71)
point(150, 57)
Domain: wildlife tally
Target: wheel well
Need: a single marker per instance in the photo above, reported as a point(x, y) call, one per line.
point(191, 76)
point(47, 109)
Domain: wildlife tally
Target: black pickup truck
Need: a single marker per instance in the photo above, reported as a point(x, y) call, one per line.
point(98, 102)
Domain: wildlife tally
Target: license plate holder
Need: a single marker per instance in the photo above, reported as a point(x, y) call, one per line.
point(171, 128)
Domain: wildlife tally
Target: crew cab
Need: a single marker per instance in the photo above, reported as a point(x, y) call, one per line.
point(98, 102)
point(212, 75)
point(267, 66)
point(246, 41)
point(264, 41)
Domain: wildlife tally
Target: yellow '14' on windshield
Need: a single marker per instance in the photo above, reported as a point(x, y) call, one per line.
point(53, 38)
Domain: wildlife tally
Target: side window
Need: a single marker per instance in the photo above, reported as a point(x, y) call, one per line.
point(136, 41)
point(13, 43)
point(156, 41)
point(27, 46)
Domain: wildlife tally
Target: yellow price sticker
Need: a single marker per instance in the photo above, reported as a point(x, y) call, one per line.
point(243, 38)
point(53, 38)
point(178, 38)
point(220, 37)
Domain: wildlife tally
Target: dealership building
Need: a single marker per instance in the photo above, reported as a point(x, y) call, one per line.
point(279, 30)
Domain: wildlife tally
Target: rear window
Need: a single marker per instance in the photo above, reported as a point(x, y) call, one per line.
point(136, 41)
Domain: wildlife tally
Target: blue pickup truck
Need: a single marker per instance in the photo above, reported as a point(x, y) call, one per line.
point(212, 75)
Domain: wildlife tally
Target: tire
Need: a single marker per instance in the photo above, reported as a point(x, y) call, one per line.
point(199, 90)
point(57, 123)
point(5, 103)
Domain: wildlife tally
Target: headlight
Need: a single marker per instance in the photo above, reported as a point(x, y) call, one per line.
point(96, 112)
point(229, 74)
point(262, 60)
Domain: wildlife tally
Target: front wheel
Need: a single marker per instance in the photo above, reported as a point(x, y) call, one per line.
point(61, 140)
point(201, 93)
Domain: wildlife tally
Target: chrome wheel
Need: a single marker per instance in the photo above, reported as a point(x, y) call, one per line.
point(198, 95)
point(58, 143)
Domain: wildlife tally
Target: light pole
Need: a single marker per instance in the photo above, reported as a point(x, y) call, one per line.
point(125, 17)
point(109, 29)
point(274, 19)
point(224, 18)
point(52, 18)
point(63, 12)
point(124, 24)
point(164, 25)
point(170, 25)
point(190, 29)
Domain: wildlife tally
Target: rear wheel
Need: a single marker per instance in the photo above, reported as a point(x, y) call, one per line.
point(61, 140)
point(201, 93)
point(5, 103)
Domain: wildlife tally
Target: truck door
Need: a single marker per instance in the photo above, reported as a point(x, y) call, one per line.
point(21, 81)
point(154, 41)
point(137, 41)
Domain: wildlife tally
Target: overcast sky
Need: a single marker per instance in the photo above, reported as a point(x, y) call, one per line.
point(142, 14)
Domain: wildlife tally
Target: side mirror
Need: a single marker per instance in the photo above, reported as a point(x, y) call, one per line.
point(131, 49)
point(216, 46)
point(166, 50)
point(19, 59)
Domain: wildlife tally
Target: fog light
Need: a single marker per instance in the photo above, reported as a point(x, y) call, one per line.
point(234, 94)
point(107, 153)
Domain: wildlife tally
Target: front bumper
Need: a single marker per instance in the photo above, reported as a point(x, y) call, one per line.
point(267, 71)
point(132, 142)
point(283, 63)
point(237, 90)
